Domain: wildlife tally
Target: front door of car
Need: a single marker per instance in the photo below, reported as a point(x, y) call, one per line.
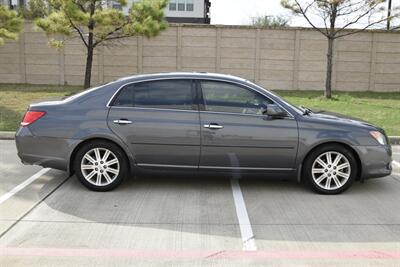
point(159, 121)
point(237, 135)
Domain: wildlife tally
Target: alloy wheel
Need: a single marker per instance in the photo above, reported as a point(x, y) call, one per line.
point(100, 166)
point(331, 170)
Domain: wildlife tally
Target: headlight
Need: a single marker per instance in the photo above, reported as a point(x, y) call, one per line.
point(378, 136)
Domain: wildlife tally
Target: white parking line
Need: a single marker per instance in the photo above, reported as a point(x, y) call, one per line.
point(246, 231)
point(23, 185)
point(396, 163)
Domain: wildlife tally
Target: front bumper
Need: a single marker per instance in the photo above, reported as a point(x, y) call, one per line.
point(375, 161)
point(44, 151)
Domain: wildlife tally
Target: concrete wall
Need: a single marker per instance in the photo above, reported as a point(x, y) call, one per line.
point(275, 58)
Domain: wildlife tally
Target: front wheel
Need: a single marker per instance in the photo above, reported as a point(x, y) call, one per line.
point(330, 169)
point(100, 166)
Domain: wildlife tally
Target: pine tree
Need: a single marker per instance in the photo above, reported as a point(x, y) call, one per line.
point(10, 24)
point(94, 24)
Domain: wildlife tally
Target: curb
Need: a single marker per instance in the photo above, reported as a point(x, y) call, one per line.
point(7, 135)
point(394, 140)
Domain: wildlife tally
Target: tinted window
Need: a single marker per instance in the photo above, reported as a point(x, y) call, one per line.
point(226, 97)
point(168, 94)
point(125, 97)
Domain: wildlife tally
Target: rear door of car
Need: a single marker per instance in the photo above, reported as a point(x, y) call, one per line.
point(160, 122)
point(236, 134)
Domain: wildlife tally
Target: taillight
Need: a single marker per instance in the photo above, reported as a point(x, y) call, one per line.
point(31, 116)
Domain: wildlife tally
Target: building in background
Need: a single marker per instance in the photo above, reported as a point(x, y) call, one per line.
point(12, 4)
point(188, 11)
point(180, 11)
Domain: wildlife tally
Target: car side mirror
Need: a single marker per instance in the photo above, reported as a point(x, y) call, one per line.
point(275, 112)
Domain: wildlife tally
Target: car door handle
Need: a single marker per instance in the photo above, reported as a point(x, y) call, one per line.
point(215, 126)
point(122, 121)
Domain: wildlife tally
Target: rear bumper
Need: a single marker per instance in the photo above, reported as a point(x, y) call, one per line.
point(375, 161)
point(44, 151)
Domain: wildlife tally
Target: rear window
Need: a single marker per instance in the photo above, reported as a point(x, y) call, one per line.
point(165, 94)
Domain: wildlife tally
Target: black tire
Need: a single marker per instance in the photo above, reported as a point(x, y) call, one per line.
point(122, 161)
point(307, 175)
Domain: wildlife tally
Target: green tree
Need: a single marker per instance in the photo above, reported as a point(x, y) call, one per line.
point(94, 24)
point(269, 21)
point(10, 24)
point(337, 16)
point(35, 9)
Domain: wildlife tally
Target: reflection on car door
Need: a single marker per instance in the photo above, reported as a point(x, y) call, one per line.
point(236, 134)
point(160, 121)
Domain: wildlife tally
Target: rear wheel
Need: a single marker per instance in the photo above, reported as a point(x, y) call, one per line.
point(100, 166)
point(330, 169)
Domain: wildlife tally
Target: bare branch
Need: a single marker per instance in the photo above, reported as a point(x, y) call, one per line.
point(360, 4)
point(355, 21)
point(350, 11)
point(360, 30)
point(308, 19)
point(395, 28)
point(325, 18)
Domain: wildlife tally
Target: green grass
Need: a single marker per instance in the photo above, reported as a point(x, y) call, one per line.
point(15, 99)
point(382, 109)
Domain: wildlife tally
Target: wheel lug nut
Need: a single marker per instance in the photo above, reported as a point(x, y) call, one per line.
point(96, 164)
point(96, 169)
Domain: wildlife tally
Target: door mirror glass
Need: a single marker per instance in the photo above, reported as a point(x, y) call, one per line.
point(275, 111)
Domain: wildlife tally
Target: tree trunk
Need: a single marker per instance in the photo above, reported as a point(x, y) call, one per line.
point(329, 67)
point(89, 61)
point(90, 47)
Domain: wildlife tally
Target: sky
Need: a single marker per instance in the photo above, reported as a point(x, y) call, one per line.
point(239, 12)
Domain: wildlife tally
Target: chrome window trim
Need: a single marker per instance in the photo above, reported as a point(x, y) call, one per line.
point(195, 111)
point(159, 109)
point(199, 79)
point(240, 114)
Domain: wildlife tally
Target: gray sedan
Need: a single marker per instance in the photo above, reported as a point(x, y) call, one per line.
point(198, 122)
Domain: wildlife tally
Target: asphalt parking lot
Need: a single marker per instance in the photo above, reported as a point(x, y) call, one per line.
point(49, 219)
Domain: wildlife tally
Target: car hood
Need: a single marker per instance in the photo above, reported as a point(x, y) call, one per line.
point(340, 118)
